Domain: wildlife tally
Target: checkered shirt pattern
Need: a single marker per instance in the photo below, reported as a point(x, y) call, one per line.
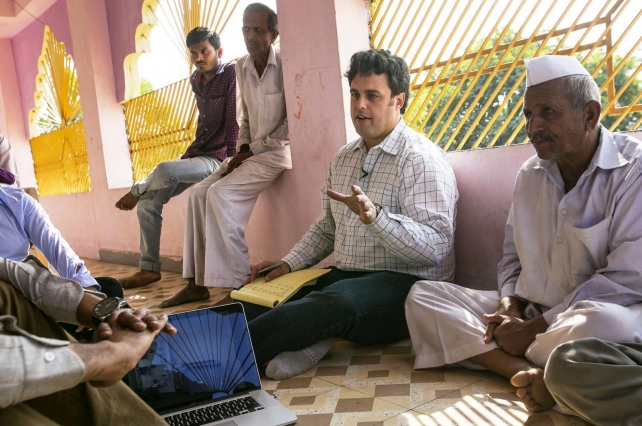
point(414, 231)
point(217, 129)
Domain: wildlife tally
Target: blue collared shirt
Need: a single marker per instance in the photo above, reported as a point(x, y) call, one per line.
point(22, 220)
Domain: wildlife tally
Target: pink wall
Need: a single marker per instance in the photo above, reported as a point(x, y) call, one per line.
point(319, 120)
point(96, 224)
point(317, 117)
point(27, 46)
point(11, 118)
point(123, 16)
point(485, 179)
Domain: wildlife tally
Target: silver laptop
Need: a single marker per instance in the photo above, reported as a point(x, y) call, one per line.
point(206, 374)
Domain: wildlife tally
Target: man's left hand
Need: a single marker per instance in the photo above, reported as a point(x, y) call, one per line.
point(236, 161)
point(358, 202)
point(514, 335)
point(138, 320)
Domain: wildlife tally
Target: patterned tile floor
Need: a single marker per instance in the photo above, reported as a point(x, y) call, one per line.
point(370, 386)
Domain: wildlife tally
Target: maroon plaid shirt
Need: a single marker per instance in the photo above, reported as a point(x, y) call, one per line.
point(217, 129)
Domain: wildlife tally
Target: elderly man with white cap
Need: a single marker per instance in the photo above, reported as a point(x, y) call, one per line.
point(572, 265)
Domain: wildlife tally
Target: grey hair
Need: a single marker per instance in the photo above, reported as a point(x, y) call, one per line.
point(580, 90)
point(272, 21)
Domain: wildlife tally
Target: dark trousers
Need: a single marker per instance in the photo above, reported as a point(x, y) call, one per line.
point(362, 307)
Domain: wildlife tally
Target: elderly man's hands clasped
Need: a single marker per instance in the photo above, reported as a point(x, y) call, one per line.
point(510, 330)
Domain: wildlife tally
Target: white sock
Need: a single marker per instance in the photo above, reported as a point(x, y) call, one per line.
point(290, 364)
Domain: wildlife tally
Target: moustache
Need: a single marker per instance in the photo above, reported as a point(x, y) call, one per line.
point(540, 137)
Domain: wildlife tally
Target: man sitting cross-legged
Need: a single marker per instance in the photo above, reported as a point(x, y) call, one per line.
point(571, 265)
point(214, 86)
point(389, 216)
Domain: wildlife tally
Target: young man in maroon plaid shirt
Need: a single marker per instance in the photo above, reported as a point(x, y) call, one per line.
point(214, 85)
point(215, 253)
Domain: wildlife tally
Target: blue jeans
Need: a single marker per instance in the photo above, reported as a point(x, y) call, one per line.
point(362, 307)
point(167, 180)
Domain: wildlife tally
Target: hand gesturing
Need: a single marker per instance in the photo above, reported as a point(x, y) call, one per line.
point(358, 202)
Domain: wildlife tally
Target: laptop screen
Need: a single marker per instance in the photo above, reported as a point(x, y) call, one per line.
point(209, 358)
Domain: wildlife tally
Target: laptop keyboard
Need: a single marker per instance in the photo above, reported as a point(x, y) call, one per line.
point(214, 413)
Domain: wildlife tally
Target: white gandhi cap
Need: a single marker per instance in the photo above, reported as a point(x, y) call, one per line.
point(550, 67)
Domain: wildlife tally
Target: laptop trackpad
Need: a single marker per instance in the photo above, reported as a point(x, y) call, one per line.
point(228, 423)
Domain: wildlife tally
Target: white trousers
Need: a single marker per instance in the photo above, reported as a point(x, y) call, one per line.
point(447, 326)
point(215, 252)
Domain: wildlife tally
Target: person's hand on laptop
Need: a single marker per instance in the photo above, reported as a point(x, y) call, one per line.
point(280, 269)
point(135, 320)
point(107, 361)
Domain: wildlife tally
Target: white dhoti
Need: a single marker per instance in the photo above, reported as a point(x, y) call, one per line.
point(447, 326)
point(215, 253)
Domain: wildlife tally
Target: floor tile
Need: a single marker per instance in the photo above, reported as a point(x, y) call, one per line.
point(357, 385)
point(309, 401)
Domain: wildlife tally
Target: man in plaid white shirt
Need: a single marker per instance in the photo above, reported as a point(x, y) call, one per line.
point(389, 207)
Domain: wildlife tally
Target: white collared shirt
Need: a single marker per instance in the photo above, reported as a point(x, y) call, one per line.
point(260, 111)
point(561, 248)
point(413, 233)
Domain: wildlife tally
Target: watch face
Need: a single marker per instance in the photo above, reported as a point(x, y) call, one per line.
point(106, 306)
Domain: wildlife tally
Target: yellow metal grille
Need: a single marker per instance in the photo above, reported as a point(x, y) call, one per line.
point(60, 161)
point(184, 15)
point(160, 126)
point(58, 137)
point(162, 123)
point(57, 97)
point(466, 60)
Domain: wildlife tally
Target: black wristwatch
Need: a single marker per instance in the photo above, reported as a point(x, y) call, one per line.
point(106, 307)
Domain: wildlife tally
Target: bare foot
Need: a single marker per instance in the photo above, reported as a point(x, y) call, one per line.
point(127, 202)
point(532, 390)
point(190, 293)
point(140, 279)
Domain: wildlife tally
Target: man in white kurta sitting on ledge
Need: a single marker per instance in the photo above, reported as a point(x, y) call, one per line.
point(215, 253)
point(571, 267)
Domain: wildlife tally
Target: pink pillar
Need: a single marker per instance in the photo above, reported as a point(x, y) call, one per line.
point(103, 116)
point(317, 40)
point(11, 118)
point(88, 221)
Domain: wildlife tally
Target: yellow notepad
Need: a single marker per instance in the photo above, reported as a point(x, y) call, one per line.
point(273, 293)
